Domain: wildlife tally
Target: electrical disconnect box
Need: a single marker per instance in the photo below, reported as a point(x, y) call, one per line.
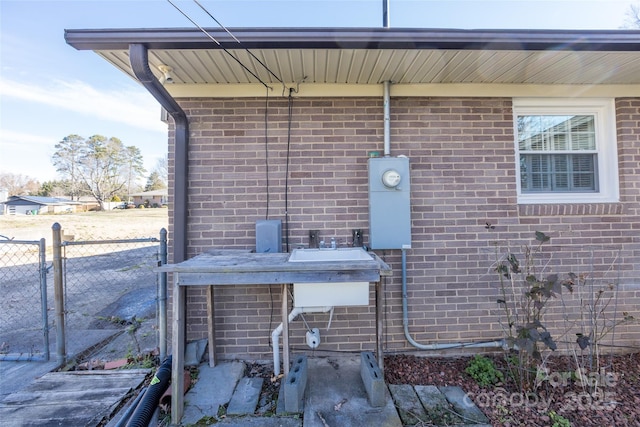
point(389, 203)
point(269, 235)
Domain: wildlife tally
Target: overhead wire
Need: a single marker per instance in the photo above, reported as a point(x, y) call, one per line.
point(246, 69)
point(240, 43)
point(290, 101)
point(266, 149)
point(219, 44)
point(286, 174)
point(266, 109)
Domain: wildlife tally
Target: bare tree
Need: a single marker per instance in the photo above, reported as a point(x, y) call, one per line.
point(632, 16)
point(17, 184)
point(162, 168)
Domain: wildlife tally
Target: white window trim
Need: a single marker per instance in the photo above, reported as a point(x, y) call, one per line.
point(603, 111)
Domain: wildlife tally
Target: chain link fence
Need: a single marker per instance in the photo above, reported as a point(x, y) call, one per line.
point(24, 324)
point(108, 285)
point(89, 293)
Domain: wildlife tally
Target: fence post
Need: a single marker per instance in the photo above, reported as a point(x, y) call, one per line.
point(162, 298)
point(43, 296)
point(58, 290)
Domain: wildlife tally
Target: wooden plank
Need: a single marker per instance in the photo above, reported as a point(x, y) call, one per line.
point(60, 397)
point(379, 325)
point(100, 372)
point(61, 382)
point(264, 262)
point(285, 329)
point(277, 265)
point(273, 278)
point(71, 414)
point(70, 398)
point(177, 361)
point(58, 381)
point(211, 318)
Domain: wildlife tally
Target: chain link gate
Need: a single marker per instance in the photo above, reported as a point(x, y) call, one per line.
point(24, 323)
point(106, 286)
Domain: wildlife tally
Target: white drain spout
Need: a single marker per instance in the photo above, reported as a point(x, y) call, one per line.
point(275, 335)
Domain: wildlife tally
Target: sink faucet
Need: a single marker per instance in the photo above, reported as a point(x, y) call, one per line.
point(332, 245)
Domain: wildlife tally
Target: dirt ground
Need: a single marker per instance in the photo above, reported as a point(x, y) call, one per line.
point(115, 224)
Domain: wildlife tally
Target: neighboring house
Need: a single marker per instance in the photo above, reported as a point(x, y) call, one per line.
point(35, 205)
point(155, 198)
point(507, 133)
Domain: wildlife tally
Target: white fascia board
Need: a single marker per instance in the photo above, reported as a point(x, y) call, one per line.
point(311, 90)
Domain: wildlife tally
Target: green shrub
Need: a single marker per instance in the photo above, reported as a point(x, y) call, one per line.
point(483, 371)
point(559, 420)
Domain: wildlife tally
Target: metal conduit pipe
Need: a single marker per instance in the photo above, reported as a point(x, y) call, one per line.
point(405, 323)
point(405, 305)
point(275, 335)
point(386, 100)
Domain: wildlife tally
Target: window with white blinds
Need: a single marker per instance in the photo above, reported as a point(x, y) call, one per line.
point(566, 151)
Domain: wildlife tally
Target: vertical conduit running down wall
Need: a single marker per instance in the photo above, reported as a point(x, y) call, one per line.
point(405, 302)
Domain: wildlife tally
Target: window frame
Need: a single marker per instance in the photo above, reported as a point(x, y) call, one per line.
point(603, 112)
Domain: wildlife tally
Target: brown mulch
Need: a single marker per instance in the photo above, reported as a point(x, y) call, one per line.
point(615, 403)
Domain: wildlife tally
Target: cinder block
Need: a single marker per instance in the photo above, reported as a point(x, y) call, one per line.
point(295, 385)
point(372, 379)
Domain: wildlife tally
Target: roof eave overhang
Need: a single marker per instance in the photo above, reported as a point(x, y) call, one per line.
point(357, 38)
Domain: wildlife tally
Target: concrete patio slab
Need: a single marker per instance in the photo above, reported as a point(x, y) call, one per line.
point(336, 396)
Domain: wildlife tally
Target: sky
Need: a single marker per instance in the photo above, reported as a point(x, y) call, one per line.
point(49, 90)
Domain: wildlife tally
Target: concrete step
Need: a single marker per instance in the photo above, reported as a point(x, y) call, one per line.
point(408, 404)
point(437, 406)
point(467, 410)
point(245, 397)
point(438, 409)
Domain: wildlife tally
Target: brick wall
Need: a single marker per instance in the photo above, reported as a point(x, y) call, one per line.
point(462, 174)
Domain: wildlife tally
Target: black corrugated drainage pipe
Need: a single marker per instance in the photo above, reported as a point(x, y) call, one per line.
point(141, 417)
point(127, 414)
point(139, 59)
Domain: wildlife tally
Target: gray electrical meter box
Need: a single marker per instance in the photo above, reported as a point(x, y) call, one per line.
point(389, 203)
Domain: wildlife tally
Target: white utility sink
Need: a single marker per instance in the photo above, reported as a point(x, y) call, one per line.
point(324, 255)
point(333, 293)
